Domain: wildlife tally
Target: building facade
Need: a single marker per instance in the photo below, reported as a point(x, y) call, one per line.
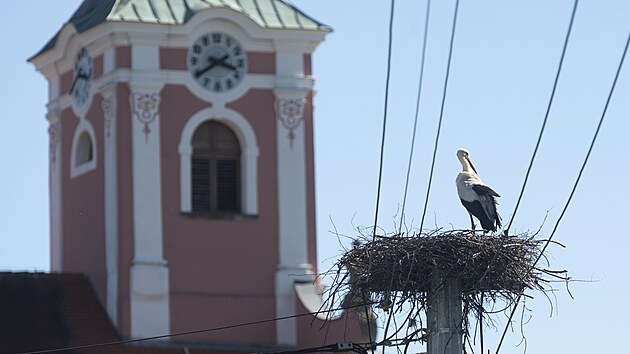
point(181, 166)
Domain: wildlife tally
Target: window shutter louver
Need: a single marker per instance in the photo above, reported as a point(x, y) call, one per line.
point(201, 184)
point(227, 185)
point(215, 167)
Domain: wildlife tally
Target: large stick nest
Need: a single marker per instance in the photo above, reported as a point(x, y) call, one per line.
point(482, 263)
point(394, 274)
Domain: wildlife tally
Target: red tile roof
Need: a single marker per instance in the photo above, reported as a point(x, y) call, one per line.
point(46, 311)
point(41, 311)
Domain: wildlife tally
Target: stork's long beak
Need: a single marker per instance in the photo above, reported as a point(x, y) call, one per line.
point(471, 165)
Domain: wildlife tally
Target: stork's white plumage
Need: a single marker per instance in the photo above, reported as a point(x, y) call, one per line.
point(477, 198)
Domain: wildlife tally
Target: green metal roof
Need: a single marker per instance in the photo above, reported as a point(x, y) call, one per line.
point(276, 14)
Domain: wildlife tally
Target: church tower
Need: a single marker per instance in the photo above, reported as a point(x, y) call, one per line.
point(181, 166)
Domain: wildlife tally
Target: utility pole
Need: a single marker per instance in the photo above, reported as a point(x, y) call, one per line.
point(444, 316)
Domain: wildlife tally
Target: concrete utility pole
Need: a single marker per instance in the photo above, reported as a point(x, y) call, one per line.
point(444, 316)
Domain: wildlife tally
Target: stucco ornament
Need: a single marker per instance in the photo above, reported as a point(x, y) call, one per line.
point(145, 107)
point(106, 105)
point(54, 140)
point(290, 111)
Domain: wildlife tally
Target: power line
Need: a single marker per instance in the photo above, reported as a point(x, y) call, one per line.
point(380, 167)
point(415, 122)
point(389, 66)
point(335, 348)
point(577, 181)
point(178, 334)
point(437, 135)
point(590, 148)
point(542, 129)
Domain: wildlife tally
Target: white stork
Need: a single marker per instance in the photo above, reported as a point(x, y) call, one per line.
point(476, 197)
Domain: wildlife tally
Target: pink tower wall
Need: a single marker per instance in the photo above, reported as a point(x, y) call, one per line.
point(221, 270)
point(83, 214)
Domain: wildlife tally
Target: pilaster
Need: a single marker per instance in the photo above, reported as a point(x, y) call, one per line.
point(109, 106)
point(54, 177)
point(292, 208)
point(149, 278)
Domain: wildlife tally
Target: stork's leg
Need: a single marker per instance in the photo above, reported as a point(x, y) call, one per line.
point(472, 222)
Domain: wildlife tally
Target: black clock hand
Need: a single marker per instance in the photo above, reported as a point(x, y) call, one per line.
point(213, 62)
point(226, 65)
point(76, 79)
point(73, 83)
point(80, 75)
point(204, 70)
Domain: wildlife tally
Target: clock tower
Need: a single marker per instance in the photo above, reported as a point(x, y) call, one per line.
point(181, 167)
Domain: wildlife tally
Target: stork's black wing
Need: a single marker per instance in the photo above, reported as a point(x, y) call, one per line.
point(488, 215)
point(482, 189)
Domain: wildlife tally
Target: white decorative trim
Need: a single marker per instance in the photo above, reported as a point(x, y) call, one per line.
point(56, 249)
point(77, 169)
point(53, 145)
point(227, 20)
point(54, 86)
point(149, 283)
point(156, 80)
point(145, 56)
point(292, 207)
point(290, 64)
point(290, 112)
point(249, 155)
point(286, 301)
point(109, 60)
point(145, 108)
point(292, 200)
point(149, 291)
point(108, 105)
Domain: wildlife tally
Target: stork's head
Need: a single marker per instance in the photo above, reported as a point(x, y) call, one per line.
point(462, 155)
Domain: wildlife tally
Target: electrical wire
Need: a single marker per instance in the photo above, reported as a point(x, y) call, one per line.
point(380, 167)
point(178, 334)
point(387, 79)
point(437, 135)
point(415, 121)
point(542, 129)
point(335, 348)
point(590, 149)
point(575, 185)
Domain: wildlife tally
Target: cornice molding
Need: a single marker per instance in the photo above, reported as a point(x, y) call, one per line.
point(112, 34)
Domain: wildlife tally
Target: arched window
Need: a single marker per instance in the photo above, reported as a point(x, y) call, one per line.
point(84, 151)
point(215, 169)
point(243, 136)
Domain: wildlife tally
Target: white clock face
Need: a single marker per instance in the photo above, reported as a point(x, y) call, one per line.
point(80, 89)
point(217, 62)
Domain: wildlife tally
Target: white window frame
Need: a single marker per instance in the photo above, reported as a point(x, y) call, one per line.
point(249, 156)
point(77, 169)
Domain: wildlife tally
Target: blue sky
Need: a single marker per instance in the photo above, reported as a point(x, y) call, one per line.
point(504, 62)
